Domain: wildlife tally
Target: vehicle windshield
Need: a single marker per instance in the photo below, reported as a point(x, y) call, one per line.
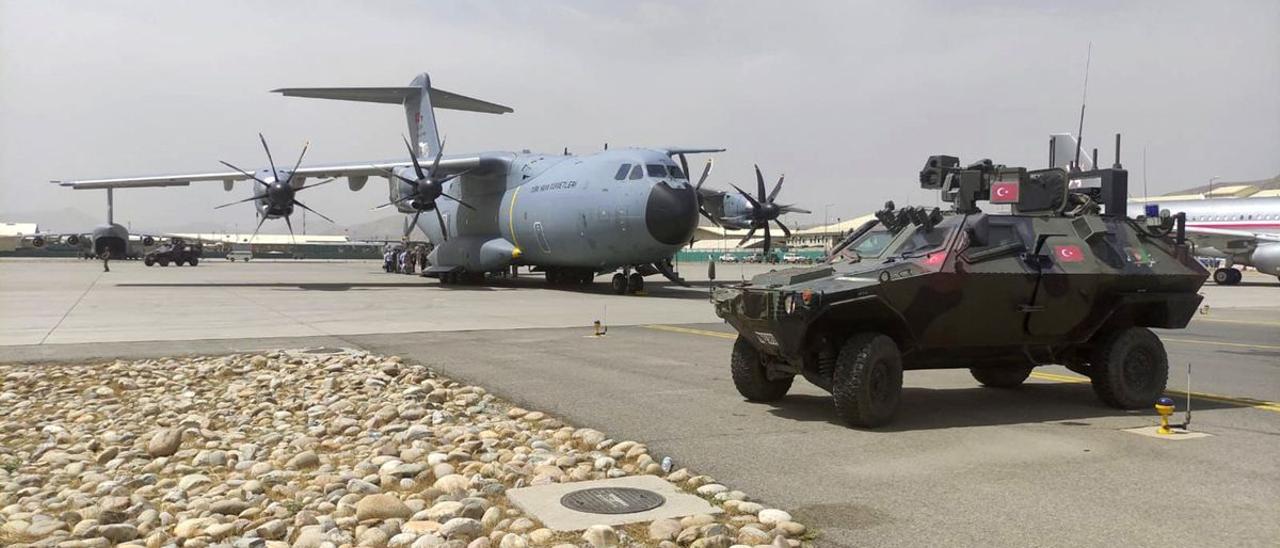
point(913, 242)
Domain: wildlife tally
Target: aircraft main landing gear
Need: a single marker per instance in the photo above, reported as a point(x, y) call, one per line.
point(627, 282)
point(1227, 276)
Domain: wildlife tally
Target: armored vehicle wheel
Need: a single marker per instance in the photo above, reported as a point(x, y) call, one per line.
point(867, 385)
point(752, 378)
point(193, 261)
point(1001, 377)
point(635, 283)
point(619, 283)
point(148, 261)
point(1130, 369)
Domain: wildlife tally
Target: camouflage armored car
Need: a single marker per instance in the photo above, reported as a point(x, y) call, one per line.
point(1059, 275)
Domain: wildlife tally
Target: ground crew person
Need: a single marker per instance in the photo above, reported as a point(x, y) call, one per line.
point(106, 259)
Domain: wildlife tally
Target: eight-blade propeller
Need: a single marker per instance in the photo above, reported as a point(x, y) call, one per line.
point(428, 187)
point(764, 210)
point(279, 195)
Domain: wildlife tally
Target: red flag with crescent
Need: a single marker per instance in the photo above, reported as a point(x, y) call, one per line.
point(1068, 253)
point(1004, 192)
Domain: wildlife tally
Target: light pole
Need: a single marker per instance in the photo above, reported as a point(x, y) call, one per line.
point(1211, 180)
point(826, 220)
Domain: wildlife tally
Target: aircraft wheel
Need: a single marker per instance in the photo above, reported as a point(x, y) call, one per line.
point(619, 283)
point(1001, 377)
point(149, 261)
point(867, 386)
point(1130, 369)
point(193, 261)
point(1227, 276)
point(635, 283)
point(164, 262)
point(1236, 276)
point(751, 377)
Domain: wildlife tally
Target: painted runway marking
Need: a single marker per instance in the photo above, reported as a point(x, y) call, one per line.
point(1246, 402)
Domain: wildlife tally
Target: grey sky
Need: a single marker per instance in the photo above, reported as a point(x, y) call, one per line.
point(848, 99)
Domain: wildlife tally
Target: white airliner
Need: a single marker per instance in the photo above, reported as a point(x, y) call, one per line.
point(1243, 231)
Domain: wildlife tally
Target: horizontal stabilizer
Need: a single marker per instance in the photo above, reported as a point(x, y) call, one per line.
point(397, 96)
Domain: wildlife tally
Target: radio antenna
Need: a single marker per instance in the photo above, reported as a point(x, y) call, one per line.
point(1083, 97)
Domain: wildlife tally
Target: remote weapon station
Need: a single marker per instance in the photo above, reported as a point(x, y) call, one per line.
point(1055, 273)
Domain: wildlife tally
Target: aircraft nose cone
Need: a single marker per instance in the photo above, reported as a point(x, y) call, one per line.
point(671, 214)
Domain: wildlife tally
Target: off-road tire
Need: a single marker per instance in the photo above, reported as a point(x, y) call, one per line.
point(750, 376)
point(1001, 377)
point(867, 385)
point(1130, 368)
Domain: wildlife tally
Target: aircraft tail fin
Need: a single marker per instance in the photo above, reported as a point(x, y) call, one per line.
point(419, 100)
point(1064, 152)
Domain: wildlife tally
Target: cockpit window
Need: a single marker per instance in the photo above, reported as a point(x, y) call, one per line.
point(656, 171)
point(622, 172)
point(676, 173)
point(636, 172)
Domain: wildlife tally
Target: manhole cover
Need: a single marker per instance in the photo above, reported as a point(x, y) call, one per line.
point(612, 500)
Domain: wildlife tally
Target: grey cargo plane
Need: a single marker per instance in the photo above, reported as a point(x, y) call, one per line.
point(626, 211)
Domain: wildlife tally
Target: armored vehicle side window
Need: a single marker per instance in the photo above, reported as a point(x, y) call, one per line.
point(656, 171)
point(921, 241)
point(873, 243)
point(637, 172)
point(622, 172)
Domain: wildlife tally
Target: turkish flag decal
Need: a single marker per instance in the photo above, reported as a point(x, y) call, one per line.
point(1004, 192)
point(1068, 253)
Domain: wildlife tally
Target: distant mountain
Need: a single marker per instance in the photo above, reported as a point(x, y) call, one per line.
point(58, 220)
point(390, 227)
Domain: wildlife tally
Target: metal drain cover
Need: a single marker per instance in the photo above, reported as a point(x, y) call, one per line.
point(612, 500)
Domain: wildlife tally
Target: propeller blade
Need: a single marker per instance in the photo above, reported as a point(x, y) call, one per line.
point(261, 220)
point(760, 183)
point(777, 187)
point(324, 182)
point(292, 240)
point(750, 233)
point(269, 159)
point(468, 206)
point(706, 171)
point(785, 231)
point(413, 155)
point(393, 202)
point(304, 206)
point(768, 240)
point(684, 164)
point(408, 229)
point(744, 194)
point(439, 153)
point(245, 173)
point(443, 231)
point(708, 215)
point(249, 199)
point(305, 145)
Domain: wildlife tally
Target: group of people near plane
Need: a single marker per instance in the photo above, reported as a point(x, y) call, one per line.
point(405, 260)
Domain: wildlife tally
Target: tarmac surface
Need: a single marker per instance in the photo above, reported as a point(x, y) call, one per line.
point(1044, 465)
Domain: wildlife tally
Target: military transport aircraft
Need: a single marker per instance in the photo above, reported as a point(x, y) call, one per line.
point(574, 217)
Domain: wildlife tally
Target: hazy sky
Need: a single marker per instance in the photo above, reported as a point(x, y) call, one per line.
point(847, 98)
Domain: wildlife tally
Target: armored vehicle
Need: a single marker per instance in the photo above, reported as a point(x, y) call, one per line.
point(1054, 273)
point(176, 251)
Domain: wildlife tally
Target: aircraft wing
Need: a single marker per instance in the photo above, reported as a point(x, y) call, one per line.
point(1222, 238)
point(348, 169)
point(676, 151)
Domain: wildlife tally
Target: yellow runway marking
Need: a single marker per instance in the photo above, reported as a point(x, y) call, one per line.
point(1246, 402)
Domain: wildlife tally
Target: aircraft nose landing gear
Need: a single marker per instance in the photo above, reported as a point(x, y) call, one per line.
point(1227, 276)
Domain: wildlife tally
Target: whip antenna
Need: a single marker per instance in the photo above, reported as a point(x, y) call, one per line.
point(1083, 97)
